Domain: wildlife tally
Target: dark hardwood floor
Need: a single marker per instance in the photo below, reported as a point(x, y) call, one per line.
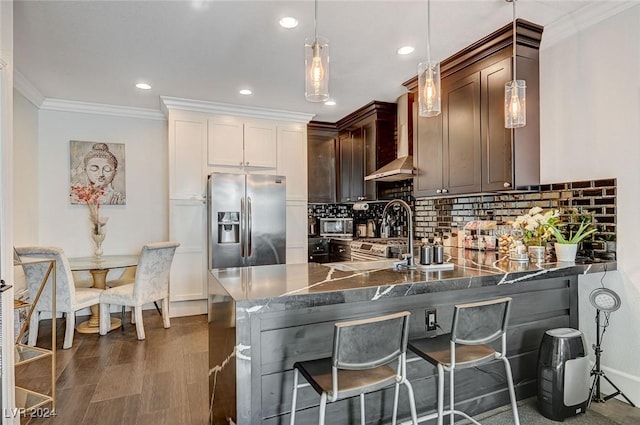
point(116, 379)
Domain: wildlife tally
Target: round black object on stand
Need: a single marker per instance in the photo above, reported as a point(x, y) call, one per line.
point(563, 374)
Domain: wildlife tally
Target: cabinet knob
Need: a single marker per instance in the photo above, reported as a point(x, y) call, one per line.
point(246, 163)
point(507, 184)
point(438, 190)
point(445, 190)
point(241, 163)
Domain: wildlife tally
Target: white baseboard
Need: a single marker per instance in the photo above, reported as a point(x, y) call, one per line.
point(628, 384)
point(187, 308)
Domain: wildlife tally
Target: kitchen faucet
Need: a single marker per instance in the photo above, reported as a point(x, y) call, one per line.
point(410, 257)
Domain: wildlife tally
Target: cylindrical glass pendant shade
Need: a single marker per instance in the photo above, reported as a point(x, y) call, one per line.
point(316, 68)
point(515, 104)
point(429, 89)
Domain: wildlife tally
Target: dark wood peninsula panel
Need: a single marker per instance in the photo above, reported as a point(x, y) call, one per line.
point(466, 149)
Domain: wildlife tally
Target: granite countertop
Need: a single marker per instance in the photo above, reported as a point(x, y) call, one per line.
point(330, 283)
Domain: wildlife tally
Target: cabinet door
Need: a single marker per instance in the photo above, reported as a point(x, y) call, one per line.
point(369, 137)
point(225, 142)
point(357, 165)
point(187, 225)
point(186, 152)
point(292, 159)
point(260, 144)
point(461, 134)
point(496, 139)
point(345, 155)
point(427, 156)
point(321, 165)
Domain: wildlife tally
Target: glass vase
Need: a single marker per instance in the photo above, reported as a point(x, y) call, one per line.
point(98, 234)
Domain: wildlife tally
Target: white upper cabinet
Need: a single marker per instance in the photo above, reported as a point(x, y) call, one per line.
point(186, 156)
point(292, 159)
point(234, 142)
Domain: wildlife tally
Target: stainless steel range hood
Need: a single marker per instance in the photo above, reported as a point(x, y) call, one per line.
point(400, 168)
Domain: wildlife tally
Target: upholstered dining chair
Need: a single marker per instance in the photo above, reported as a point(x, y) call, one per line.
point(69, 299)
point(151, 283)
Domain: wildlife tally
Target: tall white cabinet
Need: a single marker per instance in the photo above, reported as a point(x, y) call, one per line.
point(206, 137)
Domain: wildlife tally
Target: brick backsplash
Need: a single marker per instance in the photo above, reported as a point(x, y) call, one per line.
point(440, 215)
point(434, 216)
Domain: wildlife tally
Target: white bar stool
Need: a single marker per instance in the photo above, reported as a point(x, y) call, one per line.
point(475, 325)
point(363, 351)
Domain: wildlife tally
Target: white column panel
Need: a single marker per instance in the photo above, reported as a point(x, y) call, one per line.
point(188, 272)
point(297, 232)
point(292, 159)
point(186, 153)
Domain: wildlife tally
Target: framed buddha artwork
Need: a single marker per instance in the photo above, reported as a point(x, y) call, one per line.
point(97, 173)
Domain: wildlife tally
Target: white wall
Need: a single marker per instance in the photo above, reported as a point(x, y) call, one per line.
point(590, 129)
point(25, 174)
point(143, 219)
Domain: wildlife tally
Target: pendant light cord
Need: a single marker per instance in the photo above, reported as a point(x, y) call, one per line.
point(315, 24)
point(429, 32)
point(515, 75)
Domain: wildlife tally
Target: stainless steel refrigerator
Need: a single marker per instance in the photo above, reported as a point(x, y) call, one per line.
point(246, 220)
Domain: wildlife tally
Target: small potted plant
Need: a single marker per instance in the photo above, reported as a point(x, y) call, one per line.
point(567, 236)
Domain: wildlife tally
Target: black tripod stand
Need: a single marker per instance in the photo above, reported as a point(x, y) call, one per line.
point(598, 373)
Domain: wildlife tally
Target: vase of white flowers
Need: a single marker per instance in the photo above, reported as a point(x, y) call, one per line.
point(536, 229)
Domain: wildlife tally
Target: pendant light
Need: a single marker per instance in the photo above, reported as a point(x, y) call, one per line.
point(316, 65)
point(429, 79)
point(515, 91)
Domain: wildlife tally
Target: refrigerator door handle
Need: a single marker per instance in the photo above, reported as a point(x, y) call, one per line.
point(249, 220)
point(242, 227)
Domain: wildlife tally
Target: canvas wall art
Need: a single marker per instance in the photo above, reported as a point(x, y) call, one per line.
point(97, 168)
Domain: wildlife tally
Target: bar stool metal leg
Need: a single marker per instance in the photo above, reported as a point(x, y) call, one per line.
point(362, 409)
point(512, 392)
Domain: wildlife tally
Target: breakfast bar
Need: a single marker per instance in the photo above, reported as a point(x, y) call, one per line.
point(263, 319)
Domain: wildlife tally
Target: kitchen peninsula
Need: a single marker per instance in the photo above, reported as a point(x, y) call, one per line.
point(263, 319)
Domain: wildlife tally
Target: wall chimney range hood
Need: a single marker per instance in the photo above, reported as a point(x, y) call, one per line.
point(400, 168)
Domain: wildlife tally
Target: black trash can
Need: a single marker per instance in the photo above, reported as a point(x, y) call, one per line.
point(563, 374)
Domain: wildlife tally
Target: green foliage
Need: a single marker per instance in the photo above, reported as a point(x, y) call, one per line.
point(586, 228)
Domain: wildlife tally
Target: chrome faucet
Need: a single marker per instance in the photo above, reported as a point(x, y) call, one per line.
point(410, 258)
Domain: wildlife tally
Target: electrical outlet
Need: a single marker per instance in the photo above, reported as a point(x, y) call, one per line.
point(430, 320)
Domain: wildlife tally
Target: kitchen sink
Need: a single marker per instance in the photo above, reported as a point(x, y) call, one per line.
point(354, 266)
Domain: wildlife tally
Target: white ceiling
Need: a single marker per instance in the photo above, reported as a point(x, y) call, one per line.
point(95, 51)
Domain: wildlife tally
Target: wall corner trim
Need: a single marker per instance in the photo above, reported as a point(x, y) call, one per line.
point(581, 19)
point(28, 90)
point(62, 105)
point(176, 103)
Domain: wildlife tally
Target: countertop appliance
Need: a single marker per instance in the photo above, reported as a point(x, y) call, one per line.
point(340, 227)
point(246, 220)
point(378, 248)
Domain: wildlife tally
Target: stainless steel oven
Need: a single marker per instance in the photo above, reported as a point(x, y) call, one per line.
point(336, 227)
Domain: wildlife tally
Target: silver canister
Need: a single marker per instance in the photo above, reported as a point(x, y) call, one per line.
point(426, 253)
point(438, 254)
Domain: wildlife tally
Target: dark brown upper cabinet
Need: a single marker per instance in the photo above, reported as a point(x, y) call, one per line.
point(322, 143)
point(363, 141)
point(467, 149)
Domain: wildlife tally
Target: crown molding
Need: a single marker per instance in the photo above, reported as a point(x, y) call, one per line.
point(62, 105)
point(28, 90)
point(581, 19)
point(176, 103)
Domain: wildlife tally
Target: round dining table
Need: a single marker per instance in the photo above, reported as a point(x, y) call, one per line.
point(99, 268)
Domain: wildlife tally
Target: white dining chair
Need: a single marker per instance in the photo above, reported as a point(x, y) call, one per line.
point(69, 299)
point(151, 283)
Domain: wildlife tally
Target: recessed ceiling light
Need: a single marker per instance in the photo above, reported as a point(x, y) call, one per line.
point(143, 86)
point(288, 22)
point(330, 103)
point(405, 50)
point(246, 92)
